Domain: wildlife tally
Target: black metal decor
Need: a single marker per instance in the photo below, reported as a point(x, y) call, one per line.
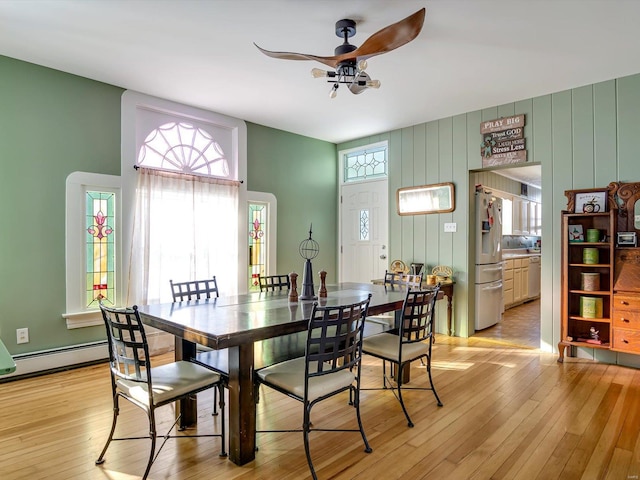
point(308, 249)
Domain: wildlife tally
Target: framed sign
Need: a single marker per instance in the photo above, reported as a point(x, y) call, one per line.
point(591, 202)
point(588, 200)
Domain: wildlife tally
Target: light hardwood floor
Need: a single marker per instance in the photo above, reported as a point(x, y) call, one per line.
point(519, 326)
point(508, 413)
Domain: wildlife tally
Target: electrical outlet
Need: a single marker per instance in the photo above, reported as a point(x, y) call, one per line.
point(450, 227)
point(22, 335)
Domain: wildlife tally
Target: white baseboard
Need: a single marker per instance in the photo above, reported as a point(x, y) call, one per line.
point(65, 357)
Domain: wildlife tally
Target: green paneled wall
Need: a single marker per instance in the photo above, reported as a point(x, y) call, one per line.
point(53, 123)
point(585, 137)
point(301, 172)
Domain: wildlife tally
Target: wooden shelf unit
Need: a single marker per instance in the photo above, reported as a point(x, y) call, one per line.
point(574, 325)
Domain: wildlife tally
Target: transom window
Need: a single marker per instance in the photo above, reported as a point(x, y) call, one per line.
point(182, 147)
point(365, 164)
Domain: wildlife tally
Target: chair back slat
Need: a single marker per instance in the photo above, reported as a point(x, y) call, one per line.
point(194, 289)
point(128, 348)
point(334, 340)
point(418, 315)
point(403, 279)
point(271, 283)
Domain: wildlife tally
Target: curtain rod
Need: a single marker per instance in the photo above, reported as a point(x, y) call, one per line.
point(169, 172)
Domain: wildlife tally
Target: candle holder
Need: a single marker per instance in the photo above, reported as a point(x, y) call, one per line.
point(309, 250)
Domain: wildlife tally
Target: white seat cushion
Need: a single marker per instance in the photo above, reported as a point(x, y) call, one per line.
point(387, 345)
point(170, 381)
point(289, 376)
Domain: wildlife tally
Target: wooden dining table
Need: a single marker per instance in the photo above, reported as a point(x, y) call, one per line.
point(238, 323)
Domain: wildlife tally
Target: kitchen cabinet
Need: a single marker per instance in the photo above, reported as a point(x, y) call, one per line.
point(535, 218)
point(521, 216)
point(514, 288)
point(524, 272)
point(507, 283)
point(517, 280)
point(520, 212)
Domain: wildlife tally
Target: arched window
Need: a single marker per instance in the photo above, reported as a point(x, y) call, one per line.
point(184, 201)
point(182, 147)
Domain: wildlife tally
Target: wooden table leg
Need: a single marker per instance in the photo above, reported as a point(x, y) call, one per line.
point(449, 313)
point(187, 408)
point(242, 406)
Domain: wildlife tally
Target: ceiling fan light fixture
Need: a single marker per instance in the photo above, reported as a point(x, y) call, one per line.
point(359, 83)
point(349, 62)
point(319, 73)
point(373, 84)
point(334, 90)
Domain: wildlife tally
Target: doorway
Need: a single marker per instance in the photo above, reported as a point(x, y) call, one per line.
point(520, 188)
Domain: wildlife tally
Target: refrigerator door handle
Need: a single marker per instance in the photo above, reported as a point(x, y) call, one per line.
point(494, 269)
point(497, 287)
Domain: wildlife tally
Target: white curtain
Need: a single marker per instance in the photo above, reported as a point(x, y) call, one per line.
point(185, 228)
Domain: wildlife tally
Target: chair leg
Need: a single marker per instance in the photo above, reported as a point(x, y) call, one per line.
point(215, 402)
point(223, 451)
point(433, 388)
point(306, 426)
point(384, 373)
point(152, 434)
point(356, 396)
point(404, 409)
point(116, 411)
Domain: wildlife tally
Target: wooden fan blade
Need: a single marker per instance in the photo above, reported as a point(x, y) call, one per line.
point(329, 61)
point(385, 40)
point(389, 38)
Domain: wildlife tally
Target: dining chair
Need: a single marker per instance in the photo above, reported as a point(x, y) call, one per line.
point(271, 283)
point(412, 341)
point(393, 279)
point(397, 278)
point(133, 378)
point(194, 289)
point(217, 360)
point(331, 365)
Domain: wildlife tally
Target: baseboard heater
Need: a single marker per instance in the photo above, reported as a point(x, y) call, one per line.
point(56, 359)
point(74, 356)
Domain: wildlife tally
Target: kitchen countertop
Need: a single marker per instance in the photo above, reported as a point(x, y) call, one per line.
point(519, 253)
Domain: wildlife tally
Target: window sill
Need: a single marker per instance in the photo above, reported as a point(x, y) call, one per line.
point(83, 319)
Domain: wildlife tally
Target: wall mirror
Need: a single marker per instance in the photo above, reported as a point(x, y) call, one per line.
point(626, 197)
point(434, 198)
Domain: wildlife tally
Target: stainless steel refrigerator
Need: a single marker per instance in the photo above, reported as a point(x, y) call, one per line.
point(488, 280)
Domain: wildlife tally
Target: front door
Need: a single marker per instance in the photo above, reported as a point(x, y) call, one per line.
point(364, 212)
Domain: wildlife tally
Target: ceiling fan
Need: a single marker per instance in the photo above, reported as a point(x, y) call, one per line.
point(350, 61)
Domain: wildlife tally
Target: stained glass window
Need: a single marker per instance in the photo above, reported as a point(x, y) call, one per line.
point(182, 147)
point(364, 224)
point(257, 247)
point(100, 248)
point(365, 164)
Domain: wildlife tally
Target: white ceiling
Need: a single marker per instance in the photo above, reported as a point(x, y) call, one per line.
point(471, 54)
point(529, 174)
